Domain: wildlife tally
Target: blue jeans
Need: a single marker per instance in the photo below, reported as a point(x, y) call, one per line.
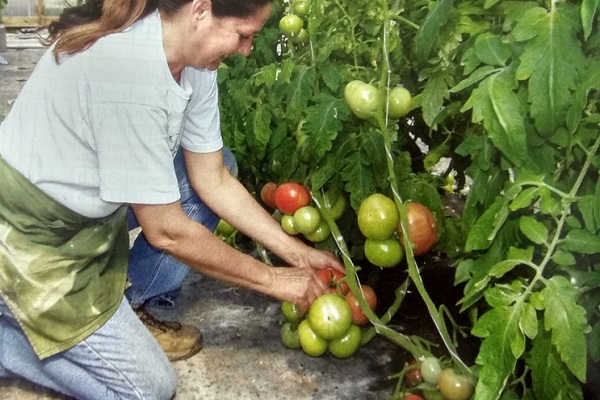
point(121, 360)
point(155, 276)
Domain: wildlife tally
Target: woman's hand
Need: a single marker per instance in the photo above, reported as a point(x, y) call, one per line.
point(300, 286)
point(320, 259)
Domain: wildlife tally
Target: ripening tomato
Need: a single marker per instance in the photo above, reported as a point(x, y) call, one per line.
point(267, 194)
point(378, 217)
point(454, 386)
point(412, 396)
point(311, 343)
point(307, 219)
point(329, 316)
point(384, 253)
point(290, 196)
point(332, 277)
point(346, 345)
point(291, 24)
point(422, 228)
point(400, 100)
point(363, 99)
point(413, 377)
point(358, 317)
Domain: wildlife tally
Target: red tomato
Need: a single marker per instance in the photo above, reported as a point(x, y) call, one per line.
point(331, 277)
point(422, 228)
point(358, 317)
point(267, 194)
point(290, 196)
point(413, 376)
point(412, 396)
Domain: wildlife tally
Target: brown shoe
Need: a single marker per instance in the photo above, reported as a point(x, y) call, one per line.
point(178, 341)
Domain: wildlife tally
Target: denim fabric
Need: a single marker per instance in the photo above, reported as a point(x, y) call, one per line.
point(121, 360)
point(156, 277)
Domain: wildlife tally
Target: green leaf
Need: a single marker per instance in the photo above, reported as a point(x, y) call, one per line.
point(483, 232)
point(475, 77)
point(533, 230)
point(551, 62)
point(262, 132)
point(300, 90)
point(323, 122)
point(524, 199)
point(495, 103)
point(581, 241)
point(490, 49)
point(595, 342)
point(430, 28)
point(515, 257)
point(567, 320)
point(588, 12)
point(549, 377)
point(434, 94)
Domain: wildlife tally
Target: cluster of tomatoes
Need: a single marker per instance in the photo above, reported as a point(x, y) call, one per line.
point(379, 221)
point(293, 200)
point(366, 101)
point(333, 323)
point(292, 24)
point(430, 381)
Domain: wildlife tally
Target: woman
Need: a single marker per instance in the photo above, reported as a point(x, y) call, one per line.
point(119, 114)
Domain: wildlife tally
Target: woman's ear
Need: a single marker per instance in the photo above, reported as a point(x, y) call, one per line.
point(201, 9)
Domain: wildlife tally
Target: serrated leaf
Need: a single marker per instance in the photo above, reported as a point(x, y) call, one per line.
point(358, 177)
point(430, 28)
point(524, 199)
point(515, 257)
point(490, 49)
point(300, 90)
point(323, 122)
point(549, 377)
point(503, 339)
point(262, 132)
point(581, 241)
point(433, 95)
point(567, 320)
point(533, 230)
point(475, 77)
point(551, 62)
point(495, 103)
point(504, 295)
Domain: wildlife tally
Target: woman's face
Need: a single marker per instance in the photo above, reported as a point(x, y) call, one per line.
point(216, 38)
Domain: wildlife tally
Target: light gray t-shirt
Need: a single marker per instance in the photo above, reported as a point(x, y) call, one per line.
point(101, 128)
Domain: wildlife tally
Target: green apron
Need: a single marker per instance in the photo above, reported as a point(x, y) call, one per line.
point(62, 275)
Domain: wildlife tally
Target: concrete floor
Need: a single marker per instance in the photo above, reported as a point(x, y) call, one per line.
point(243, 357)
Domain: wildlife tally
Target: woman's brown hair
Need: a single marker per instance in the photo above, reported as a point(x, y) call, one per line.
point(81, 26)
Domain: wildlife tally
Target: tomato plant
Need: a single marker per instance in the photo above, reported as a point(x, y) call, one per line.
point(291, 196)
point(311, 343)
point(291, 24)
point(346, 345)
point(307, 219)
point(454, 386)
point(330, 316)
point(267, 194)
point(358, 316)
point(333, 278)
point(422, 228)
point(384, 253)
point(378, 217)
point(363, 99)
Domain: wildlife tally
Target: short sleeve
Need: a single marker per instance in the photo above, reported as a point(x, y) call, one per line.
point(202, 128)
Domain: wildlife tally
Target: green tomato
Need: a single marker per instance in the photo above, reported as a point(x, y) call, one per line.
point(289, 336)
point(287, 223)
point(384, 253)
point(291, 25)
point(311, 343)
point(330, 316)
point(307, 219)
point(346, 345)
point(378, 217)
point(400, 101)
point(363, 99)
point(321, 233)
point(300, 37)
point(430, 370)
point(291, 312)
point(300, 8)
